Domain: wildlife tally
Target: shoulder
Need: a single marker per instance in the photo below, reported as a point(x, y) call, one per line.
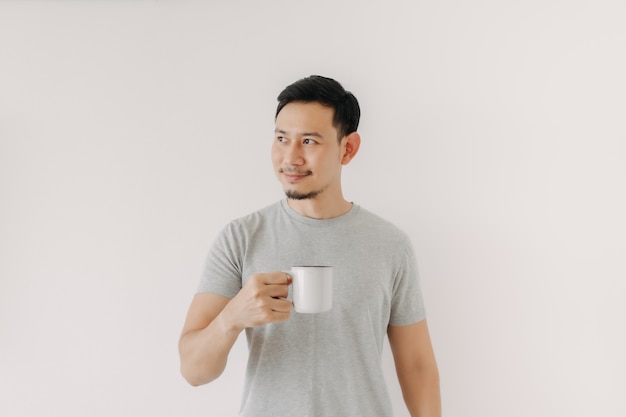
point(251, 222)
point(377, 224)
point(255, 217)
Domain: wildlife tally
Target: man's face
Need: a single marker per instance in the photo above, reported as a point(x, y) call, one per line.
point(306, 152)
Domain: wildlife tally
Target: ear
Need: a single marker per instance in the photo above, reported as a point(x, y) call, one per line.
point(351, 145)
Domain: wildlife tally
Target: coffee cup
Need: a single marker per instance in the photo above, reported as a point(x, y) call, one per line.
point(312, 288)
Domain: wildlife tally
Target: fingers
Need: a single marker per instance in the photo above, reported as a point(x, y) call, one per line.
point(263, 300)
point(270, 310)
point(273, 284)
point(276, 278)
point(281, 305)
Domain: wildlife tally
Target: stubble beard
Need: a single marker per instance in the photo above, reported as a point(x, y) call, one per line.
point(294, 195)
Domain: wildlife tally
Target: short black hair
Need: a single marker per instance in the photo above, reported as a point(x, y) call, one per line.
point(329, 93)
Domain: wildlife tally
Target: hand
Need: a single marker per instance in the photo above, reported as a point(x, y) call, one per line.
point(261, 301)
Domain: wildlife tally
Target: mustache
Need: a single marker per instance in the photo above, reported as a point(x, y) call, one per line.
point(294, 171)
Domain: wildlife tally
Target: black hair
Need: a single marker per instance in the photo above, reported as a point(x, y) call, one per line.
point(326, 92)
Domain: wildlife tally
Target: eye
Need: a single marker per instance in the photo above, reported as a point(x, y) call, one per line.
point(281, 139)
point(308, 141)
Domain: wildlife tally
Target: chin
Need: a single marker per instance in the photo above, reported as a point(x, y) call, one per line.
point(296, 195)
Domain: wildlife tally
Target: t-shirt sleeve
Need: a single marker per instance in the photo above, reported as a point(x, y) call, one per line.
point(407, 304)
point(222, 269)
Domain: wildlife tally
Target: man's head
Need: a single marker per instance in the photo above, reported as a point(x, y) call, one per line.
point(315, 136)
point(328, 93)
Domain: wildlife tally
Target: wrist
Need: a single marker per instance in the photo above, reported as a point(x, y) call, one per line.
point(226, 325)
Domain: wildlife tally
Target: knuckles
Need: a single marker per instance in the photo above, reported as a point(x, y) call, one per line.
point(262, 307)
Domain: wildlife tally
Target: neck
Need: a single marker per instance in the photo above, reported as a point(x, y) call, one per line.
point(316, 208)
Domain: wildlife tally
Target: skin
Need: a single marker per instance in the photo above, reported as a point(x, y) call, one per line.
point(307, 156)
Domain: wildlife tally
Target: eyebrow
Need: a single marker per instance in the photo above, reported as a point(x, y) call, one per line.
point(314, 134)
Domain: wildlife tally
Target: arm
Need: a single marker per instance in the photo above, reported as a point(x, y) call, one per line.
point(214, 323)
point(416, 368)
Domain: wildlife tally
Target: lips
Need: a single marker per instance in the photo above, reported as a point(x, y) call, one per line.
point(294, 175)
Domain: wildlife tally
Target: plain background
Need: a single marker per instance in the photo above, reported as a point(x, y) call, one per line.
point(132, 131)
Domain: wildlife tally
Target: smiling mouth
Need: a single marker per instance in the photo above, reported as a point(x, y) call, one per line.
point(294, 174)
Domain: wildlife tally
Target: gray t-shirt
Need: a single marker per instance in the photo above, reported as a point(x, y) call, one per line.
point(325, 364)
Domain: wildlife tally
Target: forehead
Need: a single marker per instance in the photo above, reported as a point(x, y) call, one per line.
point(299, 116)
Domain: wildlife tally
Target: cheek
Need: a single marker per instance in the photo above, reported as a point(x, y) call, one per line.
point(275, 155)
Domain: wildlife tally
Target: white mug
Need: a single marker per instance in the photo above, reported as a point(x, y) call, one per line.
point(312, 288)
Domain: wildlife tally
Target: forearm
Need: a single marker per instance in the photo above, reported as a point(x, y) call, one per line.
point(420, 389)
point(204, 353)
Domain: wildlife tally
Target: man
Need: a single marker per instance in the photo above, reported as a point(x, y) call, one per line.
point(325, 364)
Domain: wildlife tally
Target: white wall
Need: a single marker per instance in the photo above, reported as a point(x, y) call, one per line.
point(132, 131)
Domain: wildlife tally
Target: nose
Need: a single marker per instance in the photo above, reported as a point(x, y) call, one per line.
point(293, 154)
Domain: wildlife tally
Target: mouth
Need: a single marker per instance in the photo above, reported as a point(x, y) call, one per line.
point(293, 175)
